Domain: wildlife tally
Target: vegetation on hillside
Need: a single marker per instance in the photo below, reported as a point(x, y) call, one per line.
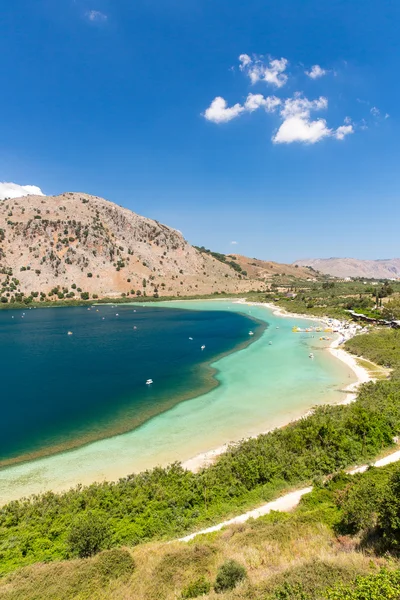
point(223, 258)
point(331, 547)
point(332, 298)
point(335, 299)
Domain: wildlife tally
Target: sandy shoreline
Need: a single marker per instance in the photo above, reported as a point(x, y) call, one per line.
point(207, 458)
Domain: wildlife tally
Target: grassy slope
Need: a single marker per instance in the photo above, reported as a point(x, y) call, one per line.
point(296, 556)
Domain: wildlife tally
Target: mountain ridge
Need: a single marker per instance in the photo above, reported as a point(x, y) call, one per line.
point(382, 268)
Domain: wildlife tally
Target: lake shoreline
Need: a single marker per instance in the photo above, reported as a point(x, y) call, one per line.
point(222, 414)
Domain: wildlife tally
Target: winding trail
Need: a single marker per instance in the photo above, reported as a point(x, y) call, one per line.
point(287, 502)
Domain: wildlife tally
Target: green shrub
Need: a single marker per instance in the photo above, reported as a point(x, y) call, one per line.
point(229, 575)
point(360, 502)
point(89, 534)
point(383, 586)
point(200, 587)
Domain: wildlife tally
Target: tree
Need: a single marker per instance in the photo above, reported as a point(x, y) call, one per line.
point(391, 310)
point(89, 534)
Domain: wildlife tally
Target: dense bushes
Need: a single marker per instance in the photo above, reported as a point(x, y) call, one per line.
point(167, 502)
point(383, 586)
point(367, 504)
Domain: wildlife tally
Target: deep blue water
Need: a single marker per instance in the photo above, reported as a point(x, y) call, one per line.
point(59, 390)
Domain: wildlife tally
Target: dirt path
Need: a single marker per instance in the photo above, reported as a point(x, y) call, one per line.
point(285, 503)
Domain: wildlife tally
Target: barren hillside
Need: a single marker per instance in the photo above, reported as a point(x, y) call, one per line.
point(353, 267)
point(75, 245)
point(263, 269)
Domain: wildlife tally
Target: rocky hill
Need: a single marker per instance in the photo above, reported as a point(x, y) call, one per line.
point(75, 245)
point(353, 267)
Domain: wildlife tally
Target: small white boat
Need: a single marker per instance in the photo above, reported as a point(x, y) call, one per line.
point(251, 333)
point(116, 314)
point(69, 333)
point(311, 355)
point(276, 327)
point(270, 343)
point(190, 338)
point(203, 347)
point(134, 327)
point(149, 382)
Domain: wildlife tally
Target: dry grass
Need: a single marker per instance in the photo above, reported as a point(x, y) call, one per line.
point(273, 549)
point(375, 371)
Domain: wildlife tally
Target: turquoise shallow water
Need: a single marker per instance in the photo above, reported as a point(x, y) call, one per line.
point(262, 386)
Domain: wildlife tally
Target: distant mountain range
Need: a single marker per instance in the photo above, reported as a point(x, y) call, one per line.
point(56, 247)
point(352, 267)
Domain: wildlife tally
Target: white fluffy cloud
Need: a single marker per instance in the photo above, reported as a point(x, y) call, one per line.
point(234, 243)
point(96, 15)
point(315, 72)
point(13, 190)
point(297, 125)
point(255, 101)
point(271, 71)
point(295, 113)
point(342, 131)
point(220, 112)
point(299, 129)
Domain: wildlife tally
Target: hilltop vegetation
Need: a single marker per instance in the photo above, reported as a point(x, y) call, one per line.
point(334, 546)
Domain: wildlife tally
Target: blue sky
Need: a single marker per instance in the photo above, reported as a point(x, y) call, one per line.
point(203, 114)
